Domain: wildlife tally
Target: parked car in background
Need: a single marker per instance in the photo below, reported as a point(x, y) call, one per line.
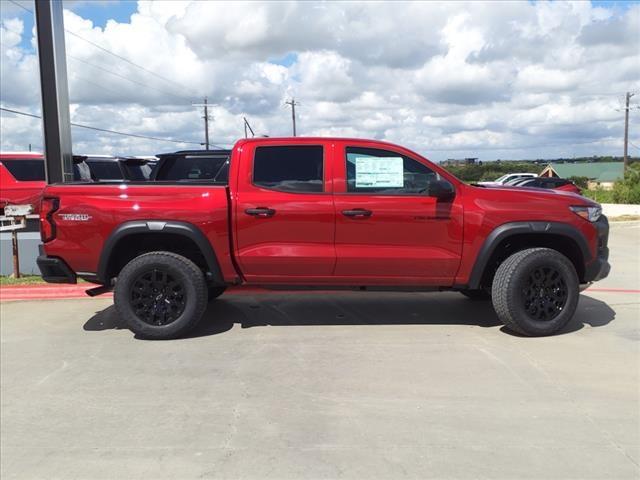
point(21, 179)
point(549, 182)
point(110, 168)
point(320, 212)
point(504, 179)
point(193, 166)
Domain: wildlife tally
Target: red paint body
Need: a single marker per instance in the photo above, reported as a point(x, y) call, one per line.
point(412, 240)
point(16, 192)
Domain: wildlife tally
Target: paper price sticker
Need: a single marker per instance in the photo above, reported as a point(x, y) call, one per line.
point(379, 172)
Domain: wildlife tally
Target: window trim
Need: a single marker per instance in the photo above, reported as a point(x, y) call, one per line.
point(274, 189)
point(390, 195)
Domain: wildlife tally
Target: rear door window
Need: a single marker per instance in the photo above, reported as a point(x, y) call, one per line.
point(25, 170)
point(296, 168)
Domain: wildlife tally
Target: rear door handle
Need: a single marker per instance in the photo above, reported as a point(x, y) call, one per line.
point(357, 212)
point(260, 212)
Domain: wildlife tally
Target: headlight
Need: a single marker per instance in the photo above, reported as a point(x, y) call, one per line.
point(591, 214)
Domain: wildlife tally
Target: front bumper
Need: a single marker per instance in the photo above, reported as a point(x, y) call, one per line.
point(599, 268)
point(55, 270)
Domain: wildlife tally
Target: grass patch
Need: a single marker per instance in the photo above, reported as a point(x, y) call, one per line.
point(599, 195)
point(27, 280)
point(23, 280)
point(625, 218)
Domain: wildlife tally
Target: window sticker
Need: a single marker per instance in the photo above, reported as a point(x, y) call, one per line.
point(379, 172)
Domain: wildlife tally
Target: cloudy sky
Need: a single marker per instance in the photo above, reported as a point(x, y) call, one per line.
point(489, 80)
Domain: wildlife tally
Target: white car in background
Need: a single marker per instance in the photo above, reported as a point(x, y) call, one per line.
point(508, 177)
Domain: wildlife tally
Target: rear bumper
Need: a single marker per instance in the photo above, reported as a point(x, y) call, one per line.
point(599, 268)
point(55, 270)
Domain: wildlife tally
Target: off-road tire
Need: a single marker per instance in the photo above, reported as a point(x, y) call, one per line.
point(514, 298)
point(477, 295)
point(215, 291)
point(182, 271)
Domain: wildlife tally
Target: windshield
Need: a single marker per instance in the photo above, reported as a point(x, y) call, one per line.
point(502, 178)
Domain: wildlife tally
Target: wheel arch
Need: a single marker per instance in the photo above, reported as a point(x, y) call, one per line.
point(133, 238)
point(514, 236)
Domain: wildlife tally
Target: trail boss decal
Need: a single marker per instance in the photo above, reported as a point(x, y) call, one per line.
point(76, 217)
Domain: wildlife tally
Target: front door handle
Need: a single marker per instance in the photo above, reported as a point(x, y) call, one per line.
point(357, 212)
point(260, 212)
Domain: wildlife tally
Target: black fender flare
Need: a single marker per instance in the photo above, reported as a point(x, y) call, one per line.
point(184, 229)
point(507, 230)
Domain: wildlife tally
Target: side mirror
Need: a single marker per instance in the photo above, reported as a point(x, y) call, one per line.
point(442, 190)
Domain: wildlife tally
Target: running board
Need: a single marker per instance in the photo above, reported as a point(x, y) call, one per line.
point(94, 292)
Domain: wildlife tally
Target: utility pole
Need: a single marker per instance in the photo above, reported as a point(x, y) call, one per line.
point(293, 104)
point(626, 129)
point(206, 120)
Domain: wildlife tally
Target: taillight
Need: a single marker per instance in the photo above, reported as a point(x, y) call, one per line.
point(48, 207)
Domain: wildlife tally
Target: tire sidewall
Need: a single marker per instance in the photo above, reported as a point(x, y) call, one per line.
point(193, 293)
point(520, 315)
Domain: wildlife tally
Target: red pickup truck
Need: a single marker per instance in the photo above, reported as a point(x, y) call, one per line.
point(328, 213)
point(21, 179)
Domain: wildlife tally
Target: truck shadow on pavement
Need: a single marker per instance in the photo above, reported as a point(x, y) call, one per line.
point(353, 308)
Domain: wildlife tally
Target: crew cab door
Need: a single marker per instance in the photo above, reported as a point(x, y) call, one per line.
point(284, 215)
point(389, 230)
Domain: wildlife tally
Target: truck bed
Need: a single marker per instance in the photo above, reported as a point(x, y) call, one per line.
point(106, 207)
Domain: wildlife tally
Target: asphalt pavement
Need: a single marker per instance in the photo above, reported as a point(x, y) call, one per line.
point(326, 385)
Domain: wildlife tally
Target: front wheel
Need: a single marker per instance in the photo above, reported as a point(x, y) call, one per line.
point(161, 295)
point(535, 291)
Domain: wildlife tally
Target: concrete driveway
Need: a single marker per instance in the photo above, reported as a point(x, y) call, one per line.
point(317, 385)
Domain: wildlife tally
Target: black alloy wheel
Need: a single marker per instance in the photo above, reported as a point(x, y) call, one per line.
point(157, 297)
point(545, 293)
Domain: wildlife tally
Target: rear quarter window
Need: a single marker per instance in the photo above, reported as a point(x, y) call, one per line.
point(25, 170)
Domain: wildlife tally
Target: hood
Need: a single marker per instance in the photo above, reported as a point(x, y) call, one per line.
point(523, 193)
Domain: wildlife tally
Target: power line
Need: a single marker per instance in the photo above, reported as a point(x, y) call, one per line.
point(21, 6)
point(115, 132)
point(84, 79)
point(127, 60)
point(111, 72)
point(112, 53)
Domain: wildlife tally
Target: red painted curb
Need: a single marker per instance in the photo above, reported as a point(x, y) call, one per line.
point(613, 290)
point(61, 292)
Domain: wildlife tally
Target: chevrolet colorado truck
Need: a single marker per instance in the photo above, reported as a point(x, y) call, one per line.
point(322, 213)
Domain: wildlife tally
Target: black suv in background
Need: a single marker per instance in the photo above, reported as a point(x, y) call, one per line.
point(193, 165)
point(107, 168)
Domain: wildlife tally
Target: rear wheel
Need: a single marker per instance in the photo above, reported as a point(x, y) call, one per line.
point(535, 291)
point(161, 295)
